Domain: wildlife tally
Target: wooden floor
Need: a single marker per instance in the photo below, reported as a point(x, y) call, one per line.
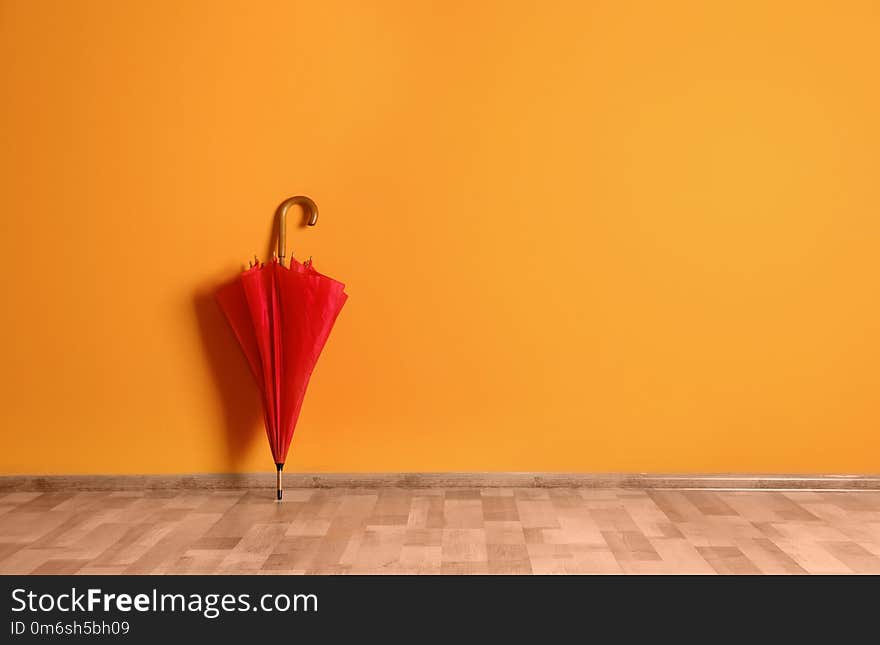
point(454, 530)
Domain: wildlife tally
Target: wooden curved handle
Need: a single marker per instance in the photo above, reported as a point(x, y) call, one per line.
point(308, 204)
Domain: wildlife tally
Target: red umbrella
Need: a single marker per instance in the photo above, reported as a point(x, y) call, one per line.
point(282, 317)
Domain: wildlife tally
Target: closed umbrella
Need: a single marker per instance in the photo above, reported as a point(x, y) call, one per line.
point(282, 317)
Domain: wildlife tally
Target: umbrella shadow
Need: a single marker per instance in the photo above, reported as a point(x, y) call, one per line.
point(239, 398)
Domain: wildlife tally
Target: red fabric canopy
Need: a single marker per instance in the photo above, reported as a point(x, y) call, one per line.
point(282, 318)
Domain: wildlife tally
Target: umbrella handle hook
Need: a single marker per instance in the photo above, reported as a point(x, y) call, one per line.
point(308, 205)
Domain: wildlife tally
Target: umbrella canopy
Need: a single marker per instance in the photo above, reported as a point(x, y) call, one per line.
point(282, 317)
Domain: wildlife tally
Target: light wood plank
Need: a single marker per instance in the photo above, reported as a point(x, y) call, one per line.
point(504, 530)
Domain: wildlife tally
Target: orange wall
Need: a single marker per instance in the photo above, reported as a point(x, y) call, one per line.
point(577, 236)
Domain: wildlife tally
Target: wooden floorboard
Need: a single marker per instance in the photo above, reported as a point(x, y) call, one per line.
point(497, 530)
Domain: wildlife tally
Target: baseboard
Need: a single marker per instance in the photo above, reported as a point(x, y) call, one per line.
point(208, 481)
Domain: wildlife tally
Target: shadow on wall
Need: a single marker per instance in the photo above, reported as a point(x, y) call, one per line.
point(239, 396)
